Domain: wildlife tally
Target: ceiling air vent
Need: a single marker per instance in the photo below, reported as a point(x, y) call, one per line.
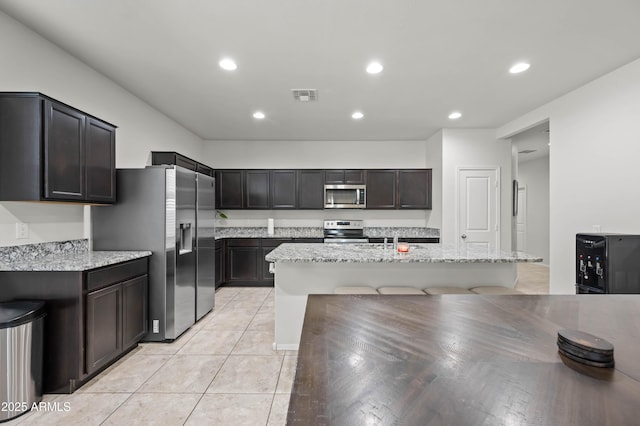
point(305, 95)
point(526, 151)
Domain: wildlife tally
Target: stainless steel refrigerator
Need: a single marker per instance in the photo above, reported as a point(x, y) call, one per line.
point(170, 211)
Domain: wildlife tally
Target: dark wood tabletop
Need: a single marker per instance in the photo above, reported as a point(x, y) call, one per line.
point(464, 360)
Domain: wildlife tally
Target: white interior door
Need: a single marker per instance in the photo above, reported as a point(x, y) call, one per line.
point(478, 208)
point(521, 219)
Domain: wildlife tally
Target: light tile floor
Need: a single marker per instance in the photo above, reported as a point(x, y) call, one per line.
point(533, 278)
point(222, 371)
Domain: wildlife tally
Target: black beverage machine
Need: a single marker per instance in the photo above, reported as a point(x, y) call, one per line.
point(607, 264)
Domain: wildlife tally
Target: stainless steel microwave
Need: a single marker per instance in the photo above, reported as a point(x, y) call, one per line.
point(345, 196)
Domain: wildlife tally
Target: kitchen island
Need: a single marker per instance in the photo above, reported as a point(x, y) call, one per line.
point(303, 269)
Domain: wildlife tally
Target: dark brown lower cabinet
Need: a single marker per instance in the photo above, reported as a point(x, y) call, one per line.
point(92, 317)
point(219, 262)
point(244, 260)
point(116, 321)
point(134, 311)
point(104, 327)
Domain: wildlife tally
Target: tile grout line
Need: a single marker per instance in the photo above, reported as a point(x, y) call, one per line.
point(273, 397)
point(171, 356)
point(212, 379)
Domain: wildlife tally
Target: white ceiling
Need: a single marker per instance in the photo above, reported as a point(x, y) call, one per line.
point(438, 57)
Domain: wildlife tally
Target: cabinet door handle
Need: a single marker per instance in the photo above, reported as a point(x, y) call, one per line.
point(463, 236)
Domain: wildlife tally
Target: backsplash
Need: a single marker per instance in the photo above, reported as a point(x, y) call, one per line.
point(314, 218)
point(32, 251)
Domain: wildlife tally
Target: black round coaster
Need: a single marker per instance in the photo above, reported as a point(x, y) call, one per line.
point(585, 348)
point(586, 361)
point(586, 341)
point(583, 353)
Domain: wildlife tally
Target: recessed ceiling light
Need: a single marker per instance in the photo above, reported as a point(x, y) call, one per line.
point(374, 68)
point(228, 64)
point(519, 67)
point(259, 115)
point(357, 115)
point(455, 115)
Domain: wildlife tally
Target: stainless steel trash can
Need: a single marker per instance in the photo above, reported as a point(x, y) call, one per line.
point(21, 334)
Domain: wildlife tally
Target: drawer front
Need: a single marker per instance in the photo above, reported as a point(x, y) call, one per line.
point(275, 242)
point(243, 242)
point(116, 273)
point(407, 240)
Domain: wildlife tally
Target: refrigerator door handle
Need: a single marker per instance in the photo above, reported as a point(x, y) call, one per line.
point(185, 239)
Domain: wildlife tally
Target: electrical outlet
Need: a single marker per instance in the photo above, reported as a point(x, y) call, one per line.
point(596, 228)
point(22, 230)
point(156, 326)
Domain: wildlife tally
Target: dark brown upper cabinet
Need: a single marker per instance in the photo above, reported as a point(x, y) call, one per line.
point(310, 189)
point(303, 188)
point(414, 189)
point(172, 157)
point(283, 189)
point(257, 189)
point(50, 151)
point(399, 189)
point(100, 161)
point(229, 189)
point(64, 144)
point(381, 189)
point(347, 177)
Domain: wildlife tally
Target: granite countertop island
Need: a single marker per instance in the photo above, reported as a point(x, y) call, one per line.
point(304, 269)
point(427, 253)
point(69, 256)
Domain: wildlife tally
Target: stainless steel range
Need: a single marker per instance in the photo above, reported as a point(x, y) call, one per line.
point(344, 231)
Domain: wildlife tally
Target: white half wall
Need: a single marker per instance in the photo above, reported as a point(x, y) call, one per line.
point(31, 63)
point(595, 146)
point(474, 148)
point(535, 175)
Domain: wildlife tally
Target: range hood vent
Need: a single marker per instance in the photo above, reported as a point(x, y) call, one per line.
point(305, 95)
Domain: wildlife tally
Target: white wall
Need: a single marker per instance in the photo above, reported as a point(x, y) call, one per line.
point(314, 154)
point(434, 162)
point(31, 63)
point(474, 148)
point(319, 154)
point(595, 147)
point(535, 175)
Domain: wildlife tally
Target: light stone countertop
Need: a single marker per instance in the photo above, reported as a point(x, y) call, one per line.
point(72, 262)
point(375, 253)
point(317, 232)
point(261, 232)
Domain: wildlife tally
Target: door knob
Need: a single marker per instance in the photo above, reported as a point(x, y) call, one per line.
point(464, 236)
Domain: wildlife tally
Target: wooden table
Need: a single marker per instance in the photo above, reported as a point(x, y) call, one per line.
point(463, 360)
